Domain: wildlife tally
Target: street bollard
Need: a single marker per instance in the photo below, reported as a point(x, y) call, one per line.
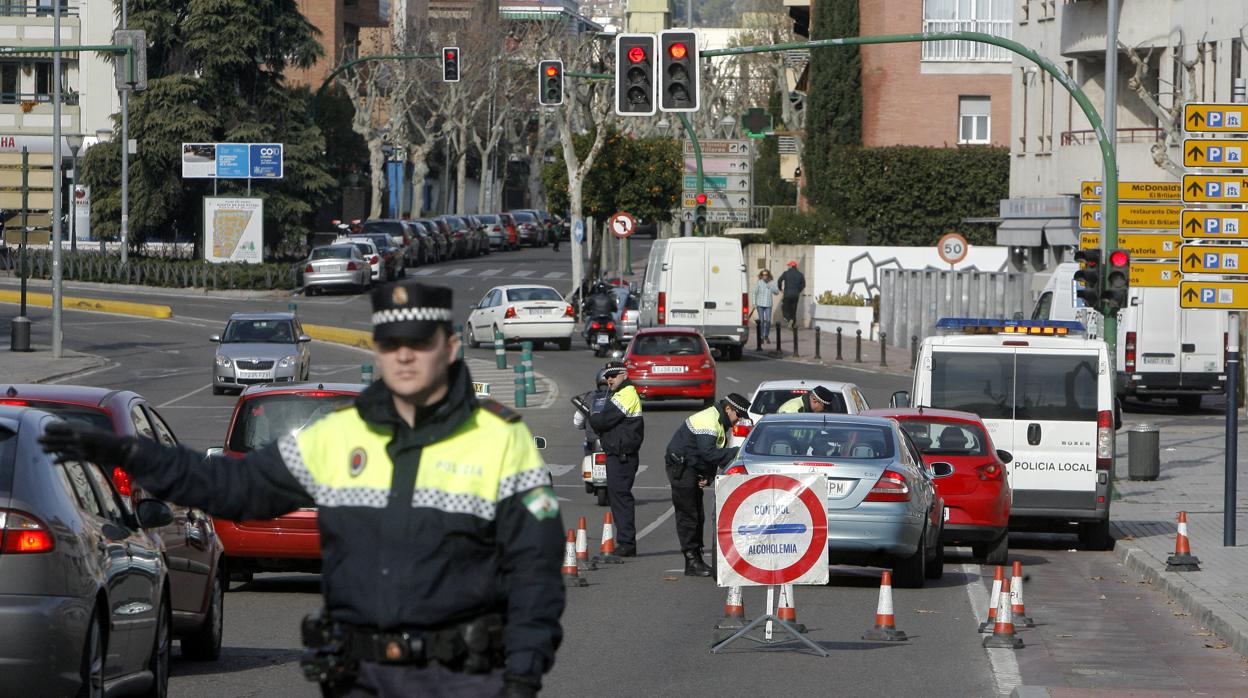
point(914, 350)
point(293, 307)
point(522, 395)
point(758, 333)
point(858, 348)
point(817, 332)
point(463, 340)
point(883, 348)
point(838, 344)
point(500, 351)
point(795, 339)
point(366, 374)
point(778, 331)
point(526, 360)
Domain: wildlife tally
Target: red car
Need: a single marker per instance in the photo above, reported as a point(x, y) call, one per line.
point(671, 363)
point(977, 495)
point(263, 414)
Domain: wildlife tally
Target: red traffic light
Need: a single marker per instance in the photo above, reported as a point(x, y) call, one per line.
point(1119, 258)
point(450, 55)
point(551, 71)
point(700, 198)
point(636, 54)
point(677, 51)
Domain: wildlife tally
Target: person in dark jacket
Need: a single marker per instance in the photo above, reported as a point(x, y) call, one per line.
point(791, 284)
point(698, 449)
point(599, 303)
point(440, 531)
point(818, 400)
point(621, 429)
point(587, 402)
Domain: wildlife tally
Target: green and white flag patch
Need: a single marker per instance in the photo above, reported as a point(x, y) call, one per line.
point(542, 503)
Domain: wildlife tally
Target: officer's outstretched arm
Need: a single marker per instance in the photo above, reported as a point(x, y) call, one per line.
point(531, 542)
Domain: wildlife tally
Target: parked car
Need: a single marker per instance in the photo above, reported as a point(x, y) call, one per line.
point(190, 543)
point(463, 240)
point(336, 266)
point(529, 228)
point(398, 232)
point(671, 363)
point(391, 256)
point(85, 597)
point(260, 348)
point(629, 314)
point(883, 507)
point(439, 244)
point(370, 253)
point(522, 312)
point(496, 231)
point(263, 414)
point(770, 395)
point(977, 495)
point(482, 235)
point(513, 234)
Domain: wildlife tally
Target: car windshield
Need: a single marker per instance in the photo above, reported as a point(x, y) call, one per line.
point(533, 294)
point(335, 252)
point(77, 414)
point(453, 221)
point(381, 241)
point(522, 217)
point(266, 418)
point(667, 345)
point(488, 219)
point(365, 248)
point(840, 441)
point(391, 228)
point(633, 302)
point(259, 332)
point(768, 401)
point(946, 438)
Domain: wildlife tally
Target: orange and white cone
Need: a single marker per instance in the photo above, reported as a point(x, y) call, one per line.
point(885, 629)
point(1003, 631)
point(571, 576)
point(582, 548)
point(786, 609)
point(1017, 610)
point(734, 611)
point(1182, 560)
point(606, 550)
point(986, 626)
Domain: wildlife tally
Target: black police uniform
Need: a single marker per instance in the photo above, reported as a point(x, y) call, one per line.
point(441, 542)
point(621, 430)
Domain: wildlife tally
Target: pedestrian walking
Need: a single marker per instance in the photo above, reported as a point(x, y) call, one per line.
point(818, 400)
point(791, 284)
point(440, 531)
point(696, 452)
point(764, 291)
point(621, 430)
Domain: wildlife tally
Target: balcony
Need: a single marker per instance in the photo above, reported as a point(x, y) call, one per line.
point(967, 51)
point(1125, 135)
point(30, 23)
point(31, 114)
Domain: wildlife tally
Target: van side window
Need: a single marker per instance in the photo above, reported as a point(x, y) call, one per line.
point(1044, 306)
point(981, 383)
point(1057, 388)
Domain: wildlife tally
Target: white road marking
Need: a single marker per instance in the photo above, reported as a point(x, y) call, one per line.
point(1004, 663)
point(559, 470)
point(459, 271)
point(734, 380)
point(183, 397)
point(491, 272)
point(427, 271)
point(656, 523)
point(554, 275)
point(523, 273)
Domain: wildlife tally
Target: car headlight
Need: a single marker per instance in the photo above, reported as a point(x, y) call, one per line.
point(287, 361)
point(224, 361)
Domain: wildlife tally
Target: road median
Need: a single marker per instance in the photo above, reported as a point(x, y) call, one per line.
point(44, 300)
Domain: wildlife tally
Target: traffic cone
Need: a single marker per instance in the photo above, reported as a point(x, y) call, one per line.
point(606, 550)
point(986, 626)
point(571, 576)
point(1017, 611)
point(734, 611)
point(885, 630)
point(785, 609)
point(1182, 560)
point(1003, 631)
point(582, 548)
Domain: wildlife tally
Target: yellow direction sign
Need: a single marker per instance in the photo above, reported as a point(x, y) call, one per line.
point(1134, 216)
point(1214, 295)
point(1215, 189)
point(1140, 245)
point(1222, 225)
point(1214, 259)
point(1155, 274)
point(1215, 118)
point(1093, 190)
point(1214, 152)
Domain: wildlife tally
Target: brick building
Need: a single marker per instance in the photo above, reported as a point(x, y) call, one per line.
point(339, 22)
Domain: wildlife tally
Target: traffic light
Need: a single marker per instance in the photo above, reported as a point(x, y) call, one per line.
point(450, 64)
point(1089, 275)
point(678, 72)
point(1117, 281)
point(699, 212)
point(634, 75)
point(550, 83)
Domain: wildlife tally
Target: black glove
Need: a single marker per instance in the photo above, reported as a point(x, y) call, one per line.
point(516, 686)
point(79, 442)
point(579, 403)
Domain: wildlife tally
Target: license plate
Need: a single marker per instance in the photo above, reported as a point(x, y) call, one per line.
point(253, 374)
point(669, 369)
point(333, 267)
point(602, 339)
point(1158, 360)
point(539, 311)
point(684, 312)
point(946, 513)
point(600, 471)
point(838, 489)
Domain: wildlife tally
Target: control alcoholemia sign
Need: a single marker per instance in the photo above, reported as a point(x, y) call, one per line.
point(771, 529)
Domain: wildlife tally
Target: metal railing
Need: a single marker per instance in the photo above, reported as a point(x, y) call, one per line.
point(967, 50)
point(16, 98)
point(36, 8)
point(1125, 135)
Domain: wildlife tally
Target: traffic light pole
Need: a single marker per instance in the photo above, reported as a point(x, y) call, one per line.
point(697, 158)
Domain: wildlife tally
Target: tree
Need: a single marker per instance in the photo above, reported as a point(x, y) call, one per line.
point(638, 175)
point(835, 94)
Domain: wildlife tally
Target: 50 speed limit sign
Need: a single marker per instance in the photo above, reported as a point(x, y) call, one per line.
point(771, 529)
point(952, 248)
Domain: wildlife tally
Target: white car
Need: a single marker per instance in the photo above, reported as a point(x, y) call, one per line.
point(770, 395)
point(522, 312)
point(368, 250)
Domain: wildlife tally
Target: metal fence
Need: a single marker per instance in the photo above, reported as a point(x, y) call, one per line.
point(911, 301)
point(967, 50)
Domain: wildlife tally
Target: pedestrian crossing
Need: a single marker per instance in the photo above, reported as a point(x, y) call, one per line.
point(479, 272)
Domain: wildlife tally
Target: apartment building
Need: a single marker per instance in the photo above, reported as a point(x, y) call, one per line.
point(340, 23)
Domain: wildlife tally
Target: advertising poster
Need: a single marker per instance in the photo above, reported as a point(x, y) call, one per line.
point(233, 229)
point(199, 160)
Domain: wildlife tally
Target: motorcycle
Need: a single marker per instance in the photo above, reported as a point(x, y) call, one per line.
point(594, 473)
point(601, 334)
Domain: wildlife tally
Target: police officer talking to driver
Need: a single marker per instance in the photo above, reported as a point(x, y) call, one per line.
point(441, 535)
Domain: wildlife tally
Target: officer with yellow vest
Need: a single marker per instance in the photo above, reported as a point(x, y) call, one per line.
point(697, 450)
point(440, 531)
point(818, 400)
point(621, 430)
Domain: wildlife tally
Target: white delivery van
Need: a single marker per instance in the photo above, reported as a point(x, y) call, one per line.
point(698, 283)
point(1045, 392)
point(1163, 350)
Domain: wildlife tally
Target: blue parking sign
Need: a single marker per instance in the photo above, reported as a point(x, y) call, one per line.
point(1215, 119)
point(266, 160)
point(1208, 295)
point(1213, 225)
point(1212, 260)
point(1214, 153)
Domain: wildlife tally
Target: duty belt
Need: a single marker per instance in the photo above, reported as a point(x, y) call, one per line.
point(334, 648)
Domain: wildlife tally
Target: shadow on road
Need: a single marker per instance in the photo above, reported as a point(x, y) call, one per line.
point(235, 659)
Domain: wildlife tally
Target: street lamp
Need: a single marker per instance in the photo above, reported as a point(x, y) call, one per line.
point(727, 123)
point(74, 140)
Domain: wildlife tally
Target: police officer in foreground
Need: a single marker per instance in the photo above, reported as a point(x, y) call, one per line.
point(697, 450)
point(621, 429)
point(441, 535)
point(818, 400)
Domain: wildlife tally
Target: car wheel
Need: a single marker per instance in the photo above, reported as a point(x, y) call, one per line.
point(158, 662)
point(565, 344)
point(995, 552)
point(1094, 535)
point(936, 566)
point(601, 493)
point(93, 653)
point(472, 338)
point(218, 391)
point(908, 573)
point(205, 643)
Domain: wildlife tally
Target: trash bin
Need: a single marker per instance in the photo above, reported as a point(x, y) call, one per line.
point(1143, 452)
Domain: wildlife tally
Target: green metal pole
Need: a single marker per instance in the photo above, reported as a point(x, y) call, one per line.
point(500, 351)
point(526, 360)
point(697, 158)
point(459, 331)
point(522, 395)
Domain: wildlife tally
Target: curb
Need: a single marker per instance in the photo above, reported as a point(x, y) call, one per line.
point(1203, 607)
point(275, 294)
point(867, 366)
point(44, 300)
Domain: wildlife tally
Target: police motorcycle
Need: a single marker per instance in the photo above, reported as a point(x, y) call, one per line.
point(602, 335)
point(594, 462)
point(594, 471)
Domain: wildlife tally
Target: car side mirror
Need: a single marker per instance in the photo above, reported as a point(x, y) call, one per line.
point(216, 338)
point(305, 338)
point(901, 398)
point(539, 442)
point(940, 470)
point(1004, 456)
point(210, 452)
point(153, 513)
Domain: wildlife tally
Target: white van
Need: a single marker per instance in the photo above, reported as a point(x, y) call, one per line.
point(1163, 350)
point(699, 283)
point(1045, 392)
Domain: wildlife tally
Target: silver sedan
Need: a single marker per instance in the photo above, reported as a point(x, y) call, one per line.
point(260, 348)
point(335, 266)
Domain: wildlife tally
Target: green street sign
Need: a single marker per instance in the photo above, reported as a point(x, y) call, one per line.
point(756, 123)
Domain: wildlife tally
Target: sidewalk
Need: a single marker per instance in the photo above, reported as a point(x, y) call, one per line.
point(1144, 522)
point(898, 359)
point(38, 366)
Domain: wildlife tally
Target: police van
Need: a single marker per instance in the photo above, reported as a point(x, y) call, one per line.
point(1046, 395)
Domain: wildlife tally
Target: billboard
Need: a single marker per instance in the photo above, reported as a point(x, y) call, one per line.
point(233, 160)
point(233, 229)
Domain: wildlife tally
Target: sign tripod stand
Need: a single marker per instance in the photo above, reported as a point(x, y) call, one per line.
point(768, 638)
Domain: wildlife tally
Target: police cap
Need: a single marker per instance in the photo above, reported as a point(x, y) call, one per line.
point(408, 309)
point(738, 402)
point(822, 394)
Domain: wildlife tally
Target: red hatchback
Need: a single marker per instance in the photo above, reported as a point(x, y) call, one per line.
point(263, 414)
point(671, 363)
point(977, 495)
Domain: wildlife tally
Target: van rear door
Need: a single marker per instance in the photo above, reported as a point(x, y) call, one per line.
point(687, 285)
point(725, 285)
point(979, 380)
point(1201, 341)
point(1055, 422)
point(1157, 323)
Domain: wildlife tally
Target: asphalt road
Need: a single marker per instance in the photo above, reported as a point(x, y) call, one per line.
point(642, 627)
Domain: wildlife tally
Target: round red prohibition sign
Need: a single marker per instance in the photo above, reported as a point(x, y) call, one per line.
point(819, 532)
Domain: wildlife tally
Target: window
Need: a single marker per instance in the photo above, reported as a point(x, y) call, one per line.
point(981, 383)
point(75, 479)
point(974, 119)
point(946, 438)
point(987, 16)
point(142, 427)
point(768, 401)
point(1058, 388)
point(1044, 306)
point(9, 82)
point(163, 433)
point(262, 420)
point(533, 294)
point(832, 440)
point(108, 495)
point(43, 80)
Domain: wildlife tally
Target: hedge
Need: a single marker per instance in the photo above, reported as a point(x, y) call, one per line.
point(786, 228)
point(175, 273)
